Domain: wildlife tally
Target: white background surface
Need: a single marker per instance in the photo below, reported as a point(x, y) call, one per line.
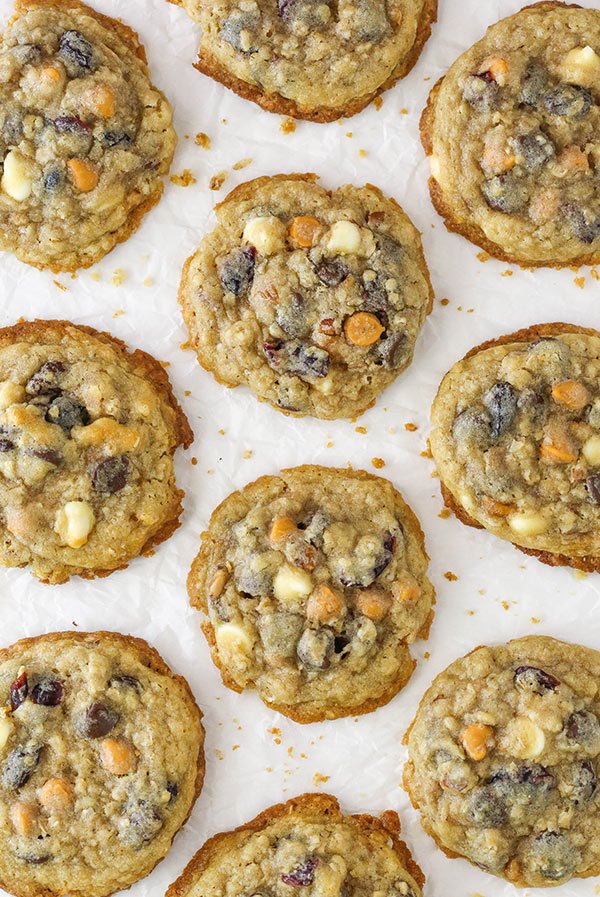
point(498, 590)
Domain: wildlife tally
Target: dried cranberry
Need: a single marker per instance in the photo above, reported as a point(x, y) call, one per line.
point(236, 270)
point(97, 721)
point(303, 875)
point(48, 692)
point(332, 271)
point(126, 682)
point(68, 124)
point(592, 484)
point(535, 679)
point(583, 727)
point(19, 690)
point(111, 475)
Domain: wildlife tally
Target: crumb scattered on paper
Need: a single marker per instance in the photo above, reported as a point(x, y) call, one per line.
point(203, 140)
point(243, 163)
point(450, 576)
point(318, 779)
point(217, 180)
point(378, 462)
point(118, 277)
point(288, 126)
point(184, 179)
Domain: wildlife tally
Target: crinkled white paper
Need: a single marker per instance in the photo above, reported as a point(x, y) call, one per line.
point(255, 757)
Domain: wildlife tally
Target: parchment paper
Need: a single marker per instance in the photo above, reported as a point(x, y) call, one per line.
point(255, 757)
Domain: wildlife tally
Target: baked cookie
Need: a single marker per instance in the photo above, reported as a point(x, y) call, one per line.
point(305, 843)
point(516, 441)
point(313, 59)
point(512, 130)
point(87, 436)
point(84, 136)
point(504, 760)
point(312, 299)
point(314, 583)
point(101, 761)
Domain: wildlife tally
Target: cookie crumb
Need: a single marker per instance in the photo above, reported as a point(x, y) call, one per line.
point(579, 282)
point(427, 655)
point(194, 461)
point(445, 513)
point(507, 273)
point(378, 462)
point(184, 179)
point(348, 133)
point(318, 779)
point(118, 313)
point(470, 612)
point(248, 454)
point(203, 140)
point(410, 427)
point(288, 126)
point(596, 276)
point(235, 747)
point(404, 111)
point(217, 180)
point(118, 277)
point(243, 163)
point(505, 605)
point(183, 347)
point(60, 285)
point(580, 574)
point(378, 103)
point(483, 256)
point(219, 753)
point(187, 392)
point(427, 452)
point(444, 302)
point(361, 429)
point(329, 445)
point(450, 576)
point(362, 153)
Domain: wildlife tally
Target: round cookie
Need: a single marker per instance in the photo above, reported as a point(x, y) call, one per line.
point(512, 130)
point(313, 59)
point(305, 843)
point(84, 136)
point(101, 761)
point(312, 299)
point(314, 583)
point(516, 441)
point(87, 436)
point(503, 760)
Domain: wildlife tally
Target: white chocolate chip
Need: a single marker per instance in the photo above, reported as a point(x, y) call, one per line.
point(74, 523)
point(291, 585)
point(106, 431)
point(6, 729)
point(266, 234)
point(591, 450)
point(528, 523)
point(581, 66)
point(344, 237)
point(16, 180)
point(10, 394)
point(232, 640)
point(523, 739)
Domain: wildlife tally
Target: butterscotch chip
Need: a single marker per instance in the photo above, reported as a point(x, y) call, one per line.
point(312, 299)
point(102, 767)
point(311, 59)
point(512, 133)
point(305, 844)
point(516, 441)
point(503, 760)
point(88, 430)
point(85, 135)
point(319, 621)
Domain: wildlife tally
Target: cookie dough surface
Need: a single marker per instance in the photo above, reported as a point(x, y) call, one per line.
point(313, 59)
point(87, 436)
point(305, 844)
point(101, 760)
point(516, 440)
point(314, 583)
point(513, 129)
point(503, 760)
point(313, 299)
point(84, 136)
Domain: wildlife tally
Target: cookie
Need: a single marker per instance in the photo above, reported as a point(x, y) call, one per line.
point(312, 59)
point(84, 135)
point(101, 761)
point(516, 441)
point(314, 584)
point(305, 843)
point(87, 436)
point(312, 299)
point(503, 760)
point(512, 130)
